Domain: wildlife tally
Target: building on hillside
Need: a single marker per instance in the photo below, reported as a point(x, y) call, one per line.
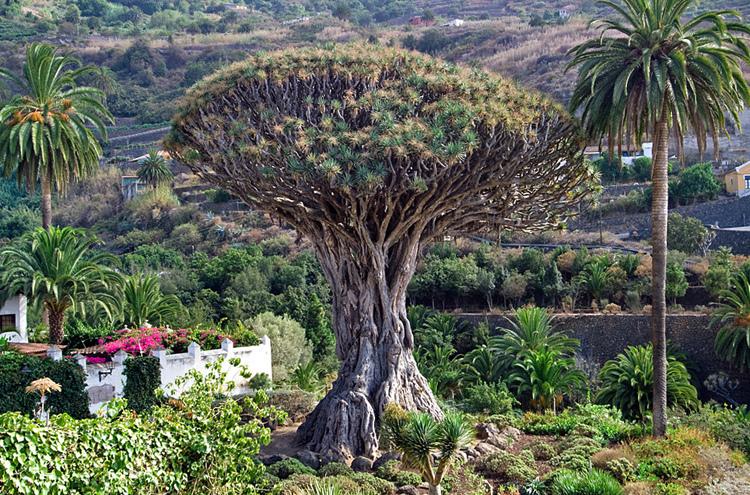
point(453, 23)
point(418, 21)
point(593, 153)
point(13, 319)
point(234, 6)
point(131, 186)
point(563, 13)
point(295, 21)
point(738, 180)
point(142, 158)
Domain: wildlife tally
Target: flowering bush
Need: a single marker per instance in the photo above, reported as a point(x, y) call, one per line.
point(95, 360)
point(143, 340)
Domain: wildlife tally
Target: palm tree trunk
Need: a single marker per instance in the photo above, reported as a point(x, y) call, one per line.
point(46, 201)
point(46, 222)
point(56, 331)
point(659, 210)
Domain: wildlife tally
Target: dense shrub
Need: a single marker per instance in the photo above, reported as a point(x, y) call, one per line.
point(143, 378)
point(335, 469)
point(389, 471)
point(288, 468)
point(288, 345)
point(516, 468)
point(191, 445)
point(727, 425)
point(541, 450)
point(72, 399)
point(293, 402)
point(489, 399)
point(374, 485)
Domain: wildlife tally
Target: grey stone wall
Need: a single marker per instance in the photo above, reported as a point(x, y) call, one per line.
point(603, 337)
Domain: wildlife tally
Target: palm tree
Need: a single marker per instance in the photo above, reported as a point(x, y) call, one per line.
point(144, 302)
point(660, 75)
point(532, 330)
point(417, 436)
point(56, 269)
point(594, 278)
point(544, 376)
point(733, 339)
point(154, 170)
point(45, 135)
point(105, 79)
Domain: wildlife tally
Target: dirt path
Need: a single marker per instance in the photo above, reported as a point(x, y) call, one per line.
point(282, 442)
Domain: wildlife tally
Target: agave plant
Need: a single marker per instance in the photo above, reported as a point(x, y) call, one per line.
point(733, 339)
point(417, 436)
point(628, 381)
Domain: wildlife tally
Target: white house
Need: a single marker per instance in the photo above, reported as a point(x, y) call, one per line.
point(592, 153)
point(453, 23)
point(13, 319)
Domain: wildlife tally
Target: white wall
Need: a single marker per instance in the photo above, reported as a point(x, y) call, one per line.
point(16, 305)
point(256, 359)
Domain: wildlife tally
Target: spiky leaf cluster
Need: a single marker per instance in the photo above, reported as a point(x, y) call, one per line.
point(358, 131)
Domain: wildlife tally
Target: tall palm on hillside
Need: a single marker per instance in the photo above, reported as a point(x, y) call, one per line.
point(660, 75)
point(145, 302)
point(56, 269)
point(45, 135)
point(154, 170)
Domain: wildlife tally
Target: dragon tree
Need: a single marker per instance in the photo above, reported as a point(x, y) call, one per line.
point(371, 153)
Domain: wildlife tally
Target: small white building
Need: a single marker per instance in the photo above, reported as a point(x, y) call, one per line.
point(453, 23)
point(13, 318)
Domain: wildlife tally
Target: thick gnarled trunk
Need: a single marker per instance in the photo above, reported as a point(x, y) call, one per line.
point(659, 211)
point(375, 343)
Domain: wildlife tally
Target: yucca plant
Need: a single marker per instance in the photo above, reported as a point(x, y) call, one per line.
point(628, 381)
point(418, 436)
point(733, 339)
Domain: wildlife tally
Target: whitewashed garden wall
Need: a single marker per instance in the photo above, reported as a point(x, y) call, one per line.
point(103, 385)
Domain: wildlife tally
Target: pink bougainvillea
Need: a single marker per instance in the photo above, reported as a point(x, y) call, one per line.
point(144, 340)
point(95, 360)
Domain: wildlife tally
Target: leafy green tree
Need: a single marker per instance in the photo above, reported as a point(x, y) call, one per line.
point(288, 345)
point(685, 234)
point(154, 170)
point(371, 170)
point(144, 302)
point(628, 382)
point(45, 136)
point(697, 183)
point(342, 11)
point(418, 437)
point(318, 333)
point(733, 338)
point(57, 270)
point(676, 283)
point(718, 278)
point(628, 88)
point(642, 169)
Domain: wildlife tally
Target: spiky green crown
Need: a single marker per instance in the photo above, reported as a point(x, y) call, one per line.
point(352, 116)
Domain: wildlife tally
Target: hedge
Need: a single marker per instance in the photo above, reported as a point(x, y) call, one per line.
point(72, 400)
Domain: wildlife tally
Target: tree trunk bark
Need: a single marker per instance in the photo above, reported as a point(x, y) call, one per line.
point(659, 211)
point(46, 201)
point(374, 342)
point(46, 222)
point(435, 489)
point(56, 331)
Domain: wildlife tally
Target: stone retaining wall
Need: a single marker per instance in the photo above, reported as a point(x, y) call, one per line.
point(603, 337)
